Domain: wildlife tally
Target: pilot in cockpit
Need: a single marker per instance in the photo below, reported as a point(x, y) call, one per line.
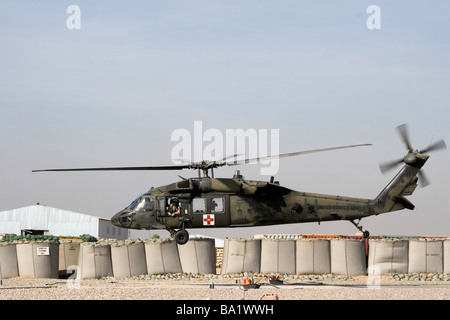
point(174, 207)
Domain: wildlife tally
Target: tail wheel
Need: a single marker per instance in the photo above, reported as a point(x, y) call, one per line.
point(365, 233)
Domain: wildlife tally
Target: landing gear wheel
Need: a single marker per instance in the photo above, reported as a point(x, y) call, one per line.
point(365, 233)
point(181, 237)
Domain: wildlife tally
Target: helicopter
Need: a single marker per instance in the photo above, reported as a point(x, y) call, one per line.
point(209, 202)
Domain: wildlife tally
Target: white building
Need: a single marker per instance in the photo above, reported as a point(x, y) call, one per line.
point(39, 219)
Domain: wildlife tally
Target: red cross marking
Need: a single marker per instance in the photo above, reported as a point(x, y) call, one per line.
point(208, 220)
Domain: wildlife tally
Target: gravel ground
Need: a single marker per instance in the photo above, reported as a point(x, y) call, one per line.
point(224, 289)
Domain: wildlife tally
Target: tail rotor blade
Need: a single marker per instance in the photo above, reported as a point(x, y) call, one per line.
point(386, 166)
point(412, 155)
point(423, 180)
point(403, 131)
point(438, 145)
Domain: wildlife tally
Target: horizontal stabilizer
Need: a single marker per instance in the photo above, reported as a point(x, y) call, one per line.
point(404, 202)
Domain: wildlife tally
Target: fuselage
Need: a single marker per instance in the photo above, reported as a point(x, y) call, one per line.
point(236, 202)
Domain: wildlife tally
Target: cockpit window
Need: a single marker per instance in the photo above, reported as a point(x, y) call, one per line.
point(126, 219)
point(146, 204)
point(134, 203)
point(142, 204)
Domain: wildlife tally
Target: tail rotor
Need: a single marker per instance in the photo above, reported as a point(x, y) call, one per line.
point(414, 158)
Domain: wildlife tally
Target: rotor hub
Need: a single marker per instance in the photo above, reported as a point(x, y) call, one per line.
point(416, 159)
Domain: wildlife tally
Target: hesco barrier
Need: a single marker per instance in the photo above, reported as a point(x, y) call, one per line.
point(388, 256)
point(8, 261)
point(94, 261)
point(277, 256)
point(313, 256)
point(241, 255)
point(162, 257)
point(348, 257)
point(447, 256)
point(128, 260)
point(425, 256)
point(198, 256)
point(38, 260)
point(68, 255)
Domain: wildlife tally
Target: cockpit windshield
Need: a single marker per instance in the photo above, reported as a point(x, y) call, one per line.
point(142, 204)
point(146, 204)
point(134, 203)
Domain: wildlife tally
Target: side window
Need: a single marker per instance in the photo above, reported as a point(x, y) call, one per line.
point(217, 205)
point(162, 205)
point(199, 205)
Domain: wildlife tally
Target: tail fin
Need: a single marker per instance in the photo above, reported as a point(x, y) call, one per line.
point(392, 198)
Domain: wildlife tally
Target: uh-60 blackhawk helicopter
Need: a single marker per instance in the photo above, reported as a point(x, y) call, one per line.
point(208, 202)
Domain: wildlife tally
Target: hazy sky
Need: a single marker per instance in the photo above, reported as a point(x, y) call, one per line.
point(112, 92)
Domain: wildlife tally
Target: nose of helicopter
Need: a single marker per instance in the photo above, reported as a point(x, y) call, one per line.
point(115, 219)
point(123, 219)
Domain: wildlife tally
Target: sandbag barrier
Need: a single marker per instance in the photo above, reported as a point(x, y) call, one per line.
point(310, 255)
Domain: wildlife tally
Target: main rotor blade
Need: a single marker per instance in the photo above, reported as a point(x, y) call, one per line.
point(120, 168)
point(403, 131)
point(438, 145)
point(292, 154)
point(202, 165)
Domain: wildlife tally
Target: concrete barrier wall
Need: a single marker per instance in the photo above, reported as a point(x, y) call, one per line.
point(38, 260)
point(426, 256)
point(162, 257)
point(241, 255)
point(348, 257)
point(128, 260)
point(313, 256)
point(388, 256)
point(94, 261)
point(198, 256)
point(8, 261)
point(278, 256)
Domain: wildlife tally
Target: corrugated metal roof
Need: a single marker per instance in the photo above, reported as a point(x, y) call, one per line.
point(56, 221)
